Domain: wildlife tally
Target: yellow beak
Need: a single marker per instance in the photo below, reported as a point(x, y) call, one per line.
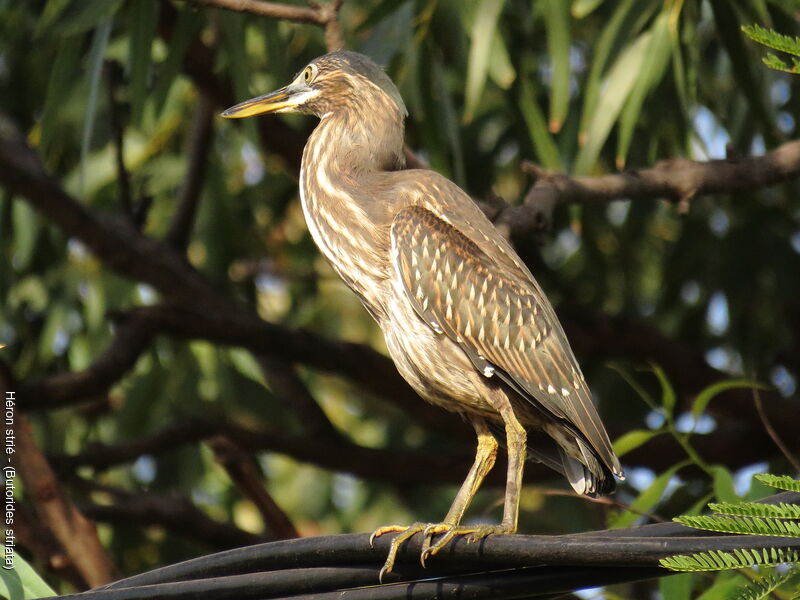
point(276, 101)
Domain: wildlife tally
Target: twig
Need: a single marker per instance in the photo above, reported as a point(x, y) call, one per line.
point(324, 15)
point(247, 476)
point(180, 229)
point(76, 535)
point(271, 10)
point(772, 433)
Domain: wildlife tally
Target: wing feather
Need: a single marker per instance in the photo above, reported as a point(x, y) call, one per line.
point(497, 315)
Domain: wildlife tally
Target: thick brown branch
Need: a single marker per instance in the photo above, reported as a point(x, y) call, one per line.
point(677, 180)
point(74, 532)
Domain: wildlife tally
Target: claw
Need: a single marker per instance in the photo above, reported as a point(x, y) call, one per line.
point(428, 530)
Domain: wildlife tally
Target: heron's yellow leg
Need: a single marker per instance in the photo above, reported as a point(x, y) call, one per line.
point(516, 440)
point(484, 461)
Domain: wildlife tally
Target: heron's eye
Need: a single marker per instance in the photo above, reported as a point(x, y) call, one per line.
point(308, 74)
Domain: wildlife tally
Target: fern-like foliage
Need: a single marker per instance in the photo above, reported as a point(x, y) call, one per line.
point(717, 560)
point(743, 525)
point(777, 41)
point(754, 509)
point(781, 520)
point(782, 482)
point(763, 588)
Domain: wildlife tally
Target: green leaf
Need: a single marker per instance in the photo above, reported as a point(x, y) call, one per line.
point(583, 8)
point(142, 17)
point(724, 586)
point(668, 397)
point(704, 397)
point(501, 70)
point(757, 509)
point(773, 39)
point(484, 28)
point(742, 525)
point(763, 588)
point(616, 89)
point(556, 18)
point(621, 21)
point(96, 53)
point(716, 560)
point(782, 482)
point(632, 440)
point(546, 150)
point(21, 581)
point(647, 499)
point(676, 587)
point(655, 63)
point(723, 484)
point(69, 17)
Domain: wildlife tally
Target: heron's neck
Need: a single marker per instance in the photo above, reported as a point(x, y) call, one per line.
point(358, 143)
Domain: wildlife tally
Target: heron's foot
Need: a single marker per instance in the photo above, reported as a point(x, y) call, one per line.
point(429, 530)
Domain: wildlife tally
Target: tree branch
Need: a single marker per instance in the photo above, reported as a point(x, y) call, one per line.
point(74, 532)
point(131, 339)
point(324, 15)
point(174, 512)
point(676, 180)
point(245, 473)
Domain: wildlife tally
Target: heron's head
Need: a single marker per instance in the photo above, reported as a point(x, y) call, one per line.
point(339, 81)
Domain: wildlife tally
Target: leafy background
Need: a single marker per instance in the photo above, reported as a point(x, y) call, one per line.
point(659, 305)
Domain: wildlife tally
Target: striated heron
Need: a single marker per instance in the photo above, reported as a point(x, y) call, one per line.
point(465, 321)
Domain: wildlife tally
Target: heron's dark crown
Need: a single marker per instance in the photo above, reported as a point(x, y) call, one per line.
point(343, 77)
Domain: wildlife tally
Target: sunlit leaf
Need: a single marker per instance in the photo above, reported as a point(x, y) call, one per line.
point(483, 29)
point(632, 440)
point(616, 89)
point(556, 17)
point(583, 8)
point(723, 484)
point(546, 150)
point(653, 67)
point(612, 39)
point(21, 581)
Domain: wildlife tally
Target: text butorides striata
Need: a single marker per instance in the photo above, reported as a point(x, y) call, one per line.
point(465, 322)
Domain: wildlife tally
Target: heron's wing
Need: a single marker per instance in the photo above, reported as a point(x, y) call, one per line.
point(497, 316)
